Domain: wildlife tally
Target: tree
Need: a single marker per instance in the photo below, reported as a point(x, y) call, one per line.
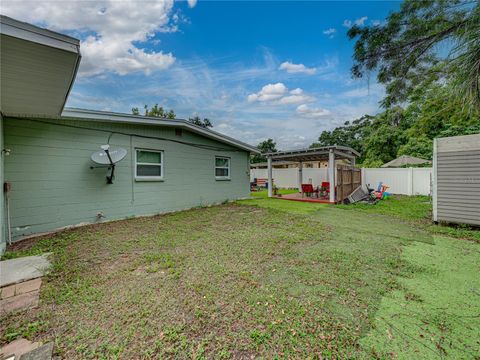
point(350, 134)
point(383, 140)
point(156, 111)
point(432, 112)
point(266, 146)
point(405, 49)
point(205, 123)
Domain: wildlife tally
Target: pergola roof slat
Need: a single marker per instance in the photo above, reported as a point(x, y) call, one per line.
point(314, 154)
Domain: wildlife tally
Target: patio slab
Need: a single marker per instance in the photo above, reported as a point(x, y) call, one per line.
point(22, 269)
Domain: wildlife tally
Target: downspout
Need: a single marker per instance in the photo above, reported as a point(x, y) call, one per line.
point(7, 205)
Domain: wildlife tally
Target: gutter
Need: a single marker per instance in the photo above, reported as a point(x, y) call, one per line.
point(105, 116)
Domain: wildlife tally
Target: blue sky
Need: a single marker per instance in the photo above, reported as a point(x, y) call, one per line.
point(256, 69)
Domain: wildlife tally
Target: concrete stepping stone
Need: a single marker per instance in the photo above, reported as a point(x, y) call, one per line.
point(20, 281)
point(43, 352)
point(17, 348)
point(22, 269)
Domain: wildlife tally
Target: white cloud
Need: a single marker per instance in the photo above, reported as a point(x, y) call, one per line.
point(192, 3)
point(359, 22)
point(278, 94)
point(297, 96)
point(305, 110)
point(269, 92)
point(110, 30)
point(296, 68)
point(330, 32)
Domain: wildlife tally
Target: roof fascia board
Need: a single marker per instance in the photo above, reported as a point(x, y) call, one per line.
point(102, 116)
point(28, 32)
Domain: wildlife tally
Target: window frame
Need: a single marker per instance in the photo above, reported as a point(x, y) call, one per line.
point(150, 178)
point(229, 167)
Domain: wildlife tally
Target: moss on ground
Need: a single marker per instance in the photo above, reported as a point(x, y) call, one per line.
point(436, 311)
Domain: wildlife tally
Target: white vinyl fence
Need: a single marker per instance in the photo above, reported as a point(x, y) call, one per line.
point(404, 181)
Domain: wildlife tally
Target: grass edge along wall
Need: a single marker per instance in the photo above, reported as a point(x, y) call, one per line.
point(53, 186)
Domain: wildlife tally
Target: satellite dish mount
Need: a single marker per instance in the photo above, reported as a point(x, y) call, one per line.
point(108, 158)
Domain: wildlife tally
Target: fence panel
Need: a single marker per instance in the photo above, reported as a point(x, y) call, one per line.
point(422, 181)
point(288, 178)
point(404, 181)
point(397, 179)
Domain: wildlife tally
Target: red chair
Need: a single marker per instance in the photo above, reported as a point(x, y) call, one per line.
point(325, 185)
point(309, 190)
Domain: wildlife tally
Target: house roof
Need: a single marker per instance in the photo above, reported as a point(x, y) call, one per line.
point(405, 160)
point(314, 154)
point(107, 116)
point(38, 67)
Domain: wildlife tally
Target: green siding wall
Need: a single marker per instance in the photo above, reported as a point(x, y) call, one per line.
point(53, 185)
point(3, 237)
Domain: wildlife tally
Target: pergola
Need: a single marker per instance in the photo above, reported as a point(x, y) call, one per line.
point(330, 153)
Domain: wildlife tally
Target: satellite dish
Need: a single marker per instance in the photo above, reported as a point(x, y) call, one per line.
point(108, 157)
point(101, 157)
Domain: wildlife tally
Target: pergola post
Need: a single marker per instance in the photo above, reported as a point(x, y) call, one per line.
point(300, 177)
point(331, 174)
point(270, 176)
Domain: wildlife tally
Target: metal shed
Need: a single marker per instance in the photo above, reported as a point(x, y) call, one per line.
point(456, 179)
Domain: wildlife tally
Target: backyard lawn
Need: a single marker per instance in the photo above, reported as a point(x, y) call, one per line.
point(261, 278)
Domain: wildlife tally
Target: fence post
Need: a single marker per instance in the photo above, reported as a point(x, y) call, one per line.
point(331, 175)
point(410, 181)
point(300, 177)
point(270, 176)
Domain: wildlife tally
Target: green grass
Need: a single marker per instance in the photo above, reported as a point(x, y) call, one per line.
point(293, 207)
point(263, 194)
point(408, 208)
point(416, 209)
point(263, 278)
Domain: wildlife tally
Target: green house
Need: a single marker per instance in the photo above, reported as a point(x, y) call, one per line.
point(50, 181)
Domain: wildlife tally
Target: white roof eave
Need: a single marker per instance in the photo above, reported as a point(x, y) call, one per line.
point(32, 33)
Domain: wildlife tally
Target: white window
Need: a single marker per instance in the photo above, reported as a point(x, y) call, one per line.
point(222, 168)
point(148, 164)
